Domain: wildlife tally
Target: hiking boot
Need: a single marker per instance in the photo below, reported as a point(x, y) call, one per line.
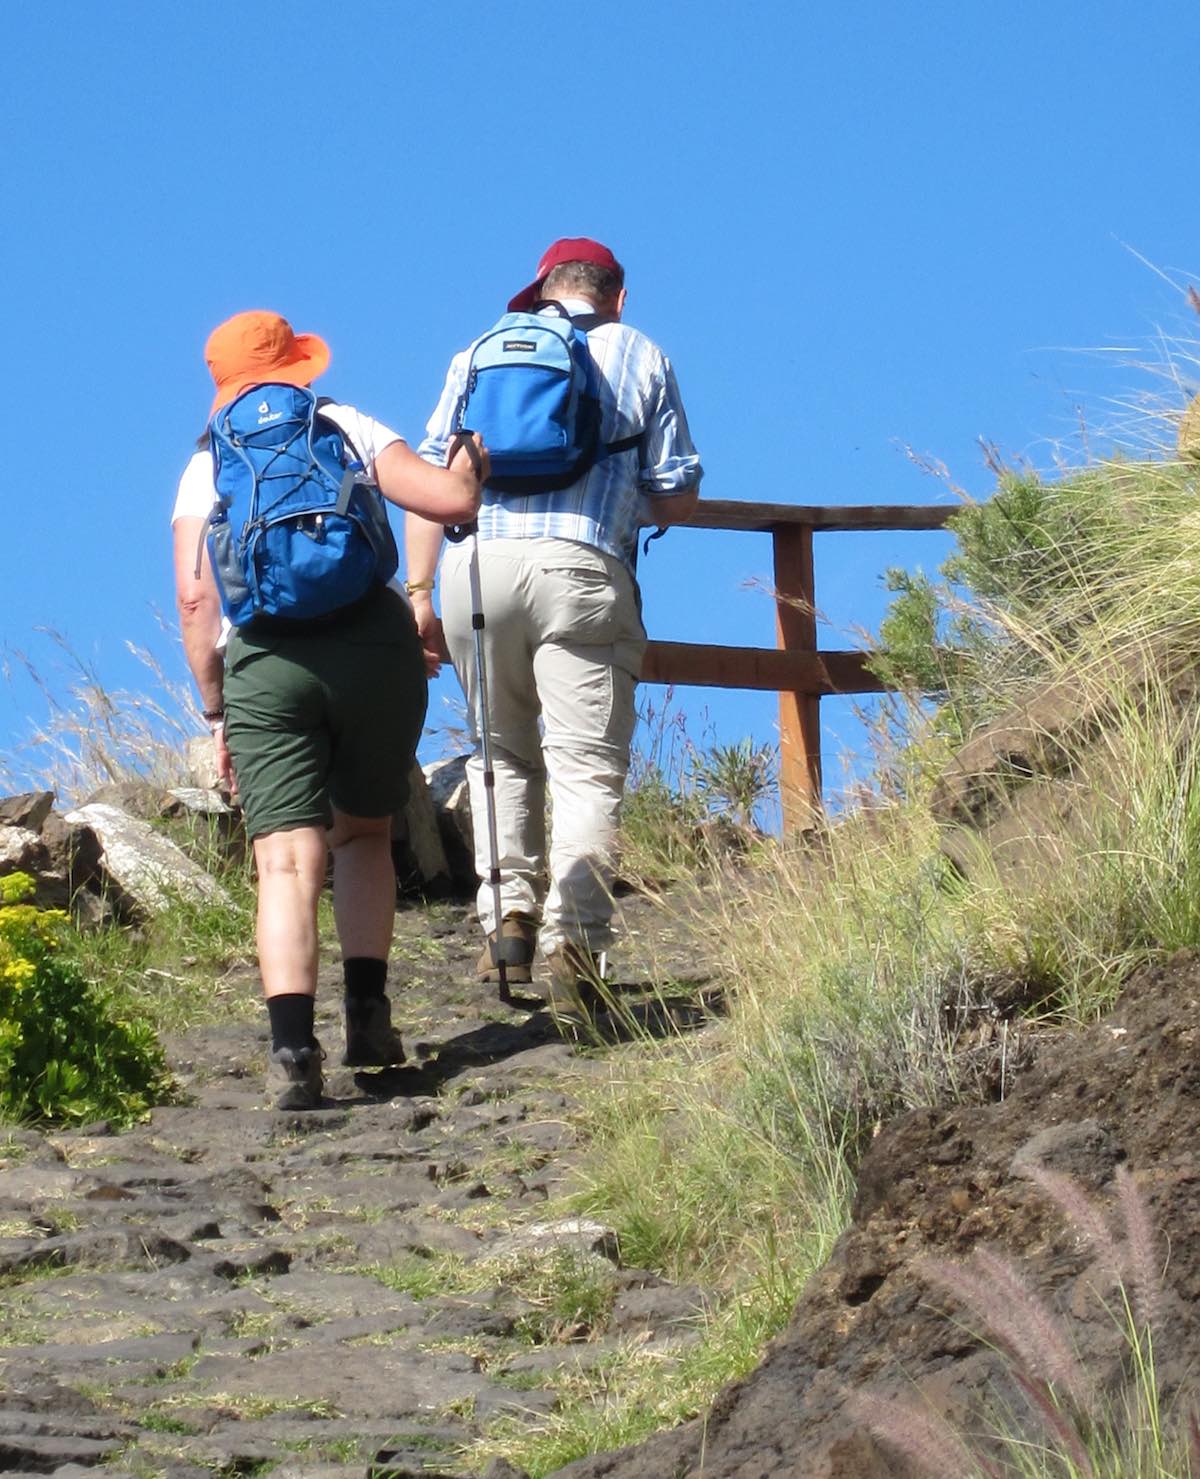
point(518, 940)
point(294, 1079)
point(573, 993)
point(371, 1040)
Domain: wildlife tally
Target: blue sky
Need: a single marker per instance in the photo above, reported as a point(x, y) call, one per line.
point(855, 229)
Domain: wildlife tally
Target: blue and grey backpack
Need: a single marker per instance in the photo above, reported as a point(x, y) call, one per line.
point(533, 395)
point(298, 531)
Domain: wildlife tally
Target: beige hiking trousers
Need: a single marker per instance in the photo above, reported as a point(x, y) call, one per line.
point(563, 643)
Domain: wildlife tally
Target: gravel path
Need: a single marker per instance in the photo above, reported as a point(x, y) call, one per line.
point(362, 1288)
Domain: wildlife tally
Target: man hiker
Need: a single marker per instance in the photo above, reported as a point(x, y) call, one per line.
point(315, 717)
point(562, 638)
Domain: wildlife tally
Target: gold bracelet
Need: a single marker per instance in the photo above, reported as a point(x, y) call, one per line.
point(413, 586)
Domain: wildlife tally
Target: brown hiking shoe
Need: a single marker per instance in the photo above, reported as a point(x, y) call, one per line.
point(573, 993)
point(371, 1040)
point(294, 1078)
point(518, 941)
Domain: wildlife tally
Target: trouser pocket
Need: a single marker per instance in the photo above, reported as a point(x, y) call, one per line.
point(580, 605)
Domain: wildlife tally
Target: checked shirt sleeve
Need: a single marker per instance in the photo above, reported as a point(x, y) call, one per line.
point(668, 462)
point(441, 423)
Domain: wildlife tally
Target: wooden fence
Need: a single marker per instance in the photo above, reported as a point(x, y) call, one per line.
point(794, 667)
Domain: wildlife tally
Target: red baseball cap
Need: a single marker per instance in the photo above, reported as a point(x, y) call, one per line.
point(565, 249)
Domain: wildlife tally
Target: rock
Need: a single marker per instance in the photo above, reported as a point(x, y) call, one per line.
point(142, 799)
point(42, 1181)
point(148, 869)
point(75, 852)
point(21, 851)
point(447, 781)
point(253, 1260)
point(90, 911)
point(417, 850)
point(200, 800)
point(131, 1246)
point(156, 1350)
point(370, 1381)
point(29, 810)
point(1083, 1150)
point(570, 1234)
point(50, 1455)
point(662, 1309)
point(200, 762)
point(500, 1468)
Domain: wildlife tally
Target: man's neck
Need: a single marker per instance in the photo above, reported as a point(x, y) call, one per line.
point(576, 305)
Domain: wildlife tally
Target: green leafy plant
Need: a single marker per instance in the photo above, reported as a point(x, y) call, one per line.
point(67, 1051)
point(734, 781)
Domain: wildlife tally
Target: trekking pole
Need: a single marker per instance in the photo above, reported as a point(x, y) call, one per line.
point(457, 533)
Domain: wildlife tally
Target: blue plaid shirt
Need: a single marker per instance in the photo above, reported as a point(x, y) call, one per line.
point(608, 505)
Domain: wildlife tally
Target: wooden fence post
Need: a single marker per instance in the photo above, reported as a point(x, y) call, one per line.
point(799, 712)
point(794, 668)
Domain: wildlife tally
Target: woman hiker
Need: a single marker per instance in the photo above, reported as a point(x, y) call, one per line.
point(315, 719)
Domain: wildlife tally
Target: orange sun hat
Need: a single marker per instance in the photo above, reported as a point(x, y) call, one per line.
point(259, 346)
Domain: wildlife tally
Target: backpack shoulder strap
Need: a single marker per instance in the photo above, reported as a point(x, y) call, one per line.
point(328, 400)
point(588, 321)
point(585, 322)
point(542, 303)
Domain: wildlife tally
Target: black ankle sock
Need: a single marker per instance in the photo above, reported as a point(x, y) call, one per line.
point(365, 977)
point(291, 1020)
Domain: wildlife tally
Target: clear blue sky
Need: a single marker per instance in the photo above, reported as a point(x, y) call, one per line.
point(853, 227)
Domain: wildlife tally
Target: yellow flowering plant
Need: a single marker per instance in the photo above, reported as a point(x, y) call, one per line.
point(68, 1053)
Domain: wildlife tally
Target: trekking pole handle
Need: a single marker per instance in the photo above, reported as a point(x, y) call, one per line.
point(464, 438)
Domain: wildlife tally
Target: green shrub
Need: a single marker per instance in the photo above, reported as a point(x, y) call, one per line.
point(67, 1054)
point(1043, 572)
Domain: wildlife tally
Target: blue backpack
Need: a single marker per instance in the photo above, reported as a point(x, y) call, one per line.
point(533, 395)
point(298, 532)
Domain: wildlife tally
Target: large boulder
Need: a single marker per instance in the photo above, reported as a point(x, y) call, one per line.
point(146, 870)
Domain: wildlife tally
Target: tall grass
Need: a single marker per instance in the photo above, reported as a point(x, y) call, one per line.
point(1069, 1422)
point(92, 734)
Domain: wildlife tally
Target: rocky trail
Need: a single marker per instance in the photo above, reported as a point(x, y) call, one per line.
point(364, 1288)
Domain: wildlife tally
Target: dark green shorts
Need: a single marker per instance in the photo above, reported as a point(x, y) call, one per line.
point(326, 717)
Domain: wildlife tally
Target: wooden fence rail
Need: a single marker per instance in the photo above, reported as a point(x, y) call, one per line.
point(795, 668)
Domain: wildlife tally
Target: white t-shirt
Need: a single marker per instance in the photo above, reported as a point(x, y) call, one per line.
point(368, 437)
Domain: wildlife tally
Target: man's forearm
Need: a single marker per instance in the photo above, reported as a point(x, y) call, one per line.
point(672, 508)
